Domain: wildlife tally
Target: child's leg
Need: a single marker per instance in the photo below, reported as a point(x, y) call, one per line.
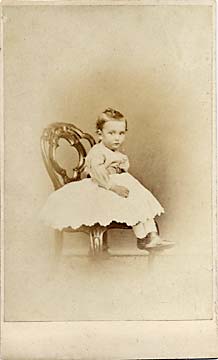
point(140, 234)
point(150, 227)
point(141, 230)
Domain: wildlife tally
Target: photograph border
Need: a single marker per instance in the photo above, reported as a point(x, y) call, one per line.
point(113, 339)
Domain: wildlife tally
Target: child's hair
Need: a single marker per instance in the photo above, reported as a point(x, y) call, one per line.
point(109, 115)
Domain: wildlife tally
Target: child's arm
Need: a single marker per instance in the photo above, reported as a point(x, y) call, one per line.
point(98, 172)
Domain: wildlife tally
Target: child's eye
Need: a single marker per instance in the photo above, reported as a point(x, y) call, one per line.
point(122, 133)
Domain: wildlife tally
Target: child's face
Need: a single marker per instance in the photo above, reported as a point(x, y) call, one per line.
point(113, 134)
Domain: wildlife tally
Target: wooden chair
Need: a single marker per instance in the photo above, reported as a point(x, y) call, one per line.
point(50, 141)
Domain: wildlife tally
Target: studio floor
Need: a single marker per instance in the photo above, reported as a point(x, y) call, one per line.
point(169, 285)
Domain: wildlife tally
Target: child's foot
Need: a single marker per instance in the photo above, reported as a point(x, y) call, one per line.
point(141, 245)
point(156, 242)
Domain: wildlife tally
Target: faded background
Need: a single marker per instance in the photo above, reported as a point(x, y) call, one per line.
point(68, 63)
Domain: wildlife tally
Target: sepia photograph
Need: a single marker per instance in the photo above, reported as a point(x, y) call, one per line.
point(108, 171)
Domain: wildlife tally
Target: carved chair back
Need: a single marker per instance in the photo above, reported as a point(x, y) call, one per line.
point(50, 142)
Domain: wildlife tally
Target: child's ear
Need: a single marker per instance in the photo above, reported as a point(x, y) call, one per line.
point(99, 133)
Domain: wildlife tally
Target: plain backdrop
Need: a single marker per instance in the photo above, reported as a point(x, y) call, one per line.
point(152, 63)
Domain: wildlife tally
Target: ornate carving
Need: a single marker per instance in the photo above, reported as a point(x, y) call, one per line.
point(96, 239)
point(50, 141)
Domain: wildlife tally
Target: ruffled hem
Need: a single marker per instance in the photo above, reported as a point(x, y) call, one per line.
point(92, 223)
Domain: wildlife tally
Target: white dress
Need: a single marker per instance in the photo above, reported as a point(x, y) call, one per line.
point(90, 201)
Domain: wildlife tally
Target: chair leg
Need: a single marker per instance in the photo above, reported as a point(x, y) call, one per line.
point(157, 226)
point(96, 239)
point(105, 241)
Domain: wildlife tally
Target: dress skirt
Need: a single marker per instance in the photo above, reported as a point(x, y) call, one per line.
point(85, 203)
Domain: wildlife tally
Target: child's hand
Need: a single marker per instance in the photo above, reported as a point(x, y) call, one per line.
point(120, 190)
point(124, 163)
point(123, 160)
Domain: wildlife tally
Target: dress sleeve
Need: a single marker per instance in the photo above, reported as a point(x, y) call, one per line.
point(96, 168)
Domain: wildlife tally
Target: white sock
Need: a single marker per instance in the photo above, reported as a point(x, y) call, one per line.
point(144, 228)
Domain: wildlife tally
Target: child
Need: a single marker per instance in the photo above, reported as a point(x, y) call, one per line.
point(111, 193)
